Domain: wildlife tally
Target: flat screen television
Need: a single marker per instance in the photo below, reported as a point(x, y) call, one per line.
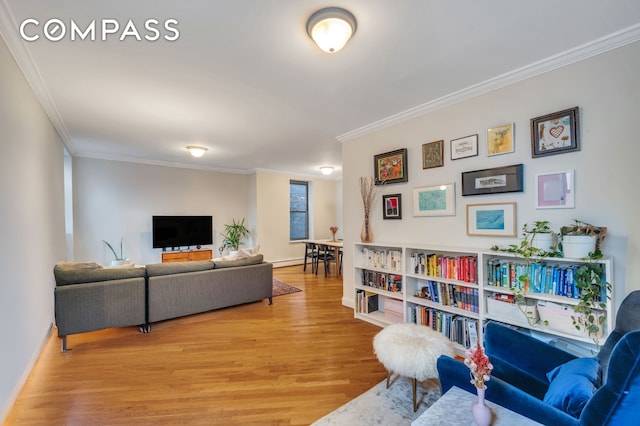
point(181, 231)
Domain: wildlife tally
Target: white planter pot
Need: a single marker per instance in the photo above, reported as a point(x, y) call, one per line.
point(543, 242)
point(120, 262)
point(578, 246)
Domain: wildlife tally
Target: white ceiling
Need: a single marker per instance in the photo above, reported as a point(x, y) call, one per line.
point(244, 79)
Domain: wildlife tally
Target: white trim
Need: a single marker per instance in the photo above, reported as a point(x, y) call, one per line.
point(13, 397)
point(31, 72)
point(609, 42)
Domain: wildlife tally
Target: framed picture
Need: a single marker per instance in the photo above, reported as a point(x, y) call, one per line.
point(555, 133)
point(391, 167)
point(439, 200)
point(392, 206)
point(464, 147)
point(500, 140)
point(555, 190)
point(492, 181)
point(491, 220)
point(432, 154)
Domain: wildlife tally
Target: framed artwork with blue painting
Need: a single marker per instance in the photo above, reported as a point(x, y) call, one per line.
point(491, 220)
point(438, 200)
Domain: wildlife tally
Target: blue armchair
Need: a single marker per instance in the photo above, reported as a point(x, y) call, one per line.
point(554, 387)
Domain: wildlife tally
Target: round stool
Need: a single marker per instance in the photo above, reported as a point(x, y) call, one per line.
point(411, 350)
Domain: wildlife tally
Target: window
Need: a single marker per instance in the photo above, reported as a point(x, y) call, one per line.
point(298, 210)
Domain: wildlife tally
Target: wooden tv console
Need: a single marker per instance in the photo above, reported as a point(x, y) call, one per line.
point(186, 255)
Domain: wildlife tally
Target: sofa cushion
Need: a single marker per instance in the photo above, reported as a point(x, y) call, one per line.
point(67, 273)
point(573, 384)
point(172, 268)
point(252, 260)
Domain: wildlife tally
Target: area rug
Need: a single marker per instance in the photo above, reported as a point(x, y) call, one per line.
point(280, 288)
point(382, 406)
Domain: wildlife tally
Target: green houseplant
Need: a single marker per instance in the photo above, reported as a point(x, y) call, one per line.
point(234, 234)
point(118, 259)
point(594, 291)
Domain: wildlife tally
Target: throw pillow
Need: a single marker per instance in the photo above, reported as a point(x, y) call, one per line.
point(253, 260)
point(243, 253)
point(573, 384)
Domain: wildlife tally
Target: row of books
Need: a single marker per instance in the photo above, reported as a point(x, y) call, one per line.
point(461, 268)
point(382, 280)
point(459, 329)
point(449, 294)
point(557, 279)
point(366, 302)
point(383, 259)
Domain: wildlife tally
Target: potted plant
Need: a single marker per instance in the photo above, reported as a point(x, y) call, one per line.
point(119, 259)
point(594, 291)
point(234, 235)
point(582, 240)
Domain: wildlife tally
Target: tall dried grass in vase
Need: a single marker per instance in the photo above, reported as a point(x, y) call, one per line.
point(369, 192)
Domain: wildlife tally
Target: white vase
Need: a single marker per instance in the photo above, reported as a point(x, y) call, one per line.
point(578, 246)
point(481, 413)
point(543, 242)
point(120, 262)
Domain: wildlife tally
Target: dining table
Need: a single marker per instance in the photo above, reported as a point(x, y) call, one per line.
point(336, 245)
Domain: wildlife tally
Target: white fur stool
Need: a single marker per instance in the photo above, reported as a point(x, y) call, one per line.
point(411, 350)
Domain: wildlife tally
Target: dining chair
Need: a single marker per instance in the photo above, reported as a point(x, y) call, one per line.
point(311, 252)
point(326, 255)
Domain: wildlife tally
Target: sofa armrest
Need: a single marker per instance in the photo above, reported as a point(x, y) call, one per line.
point(454, 373)
point(94, 306)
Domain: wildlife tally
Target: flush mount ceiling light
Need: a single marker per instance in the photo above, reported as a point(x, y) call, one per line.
point(326, 170)
point(197, 151)
point(331, 28)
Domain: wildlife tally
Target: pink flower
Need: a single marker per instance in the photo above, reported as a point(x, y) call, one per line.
point(479, 365)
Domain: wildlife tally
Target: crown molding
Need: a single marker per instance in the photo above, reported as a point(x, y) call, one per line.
point(24, 60)
point(146, 161)
point(596, 47)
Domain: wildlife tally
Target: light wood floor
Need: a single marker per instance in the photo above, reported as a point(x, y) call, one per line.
point(285, 364)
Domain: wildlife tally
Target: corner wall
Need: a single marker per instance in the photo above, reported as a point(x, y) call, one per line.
point(605, 88)
point(32, 227)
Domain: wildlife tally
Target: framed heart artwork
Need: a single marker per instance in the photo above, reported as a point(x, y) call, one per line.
point(555, 133)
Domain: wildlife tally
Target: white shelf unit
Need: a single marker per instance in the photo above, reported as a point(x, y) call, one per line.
point(463, 297)
point(445, 313)
point(377, 267)
point(545, 290)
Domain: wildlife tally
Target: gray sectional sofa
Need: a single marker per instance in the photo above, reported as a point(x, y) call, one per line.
point(89, 297)
point(185, 288)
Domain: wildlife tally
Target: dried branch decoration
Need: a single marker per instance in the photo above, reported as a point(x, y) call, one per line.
point(369, 192)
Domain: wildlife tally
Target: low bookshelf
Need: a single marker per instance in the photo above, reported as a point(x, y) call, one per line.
point(454, 291)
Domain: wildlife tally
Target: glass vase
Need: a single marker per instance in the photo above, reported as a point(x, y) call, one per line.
point(366, 235)
point(481, 413)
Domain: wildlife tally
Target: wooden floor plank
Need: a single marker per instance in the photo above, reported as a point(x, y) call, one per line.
point(289, 363)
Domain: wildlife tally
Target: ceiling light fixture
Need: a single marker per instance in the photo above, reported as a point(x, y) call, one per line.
point(331, 28)
point(326, 170)
point(197, 151)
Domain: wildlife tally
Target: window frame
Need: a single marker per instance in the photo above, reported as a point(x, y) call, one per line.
point(306, 211)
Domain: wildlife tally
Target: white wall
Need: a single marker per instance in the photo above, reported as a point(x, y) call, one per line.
point(113, 199)
point(272, 209)
point(31, 226)
point(606, 168)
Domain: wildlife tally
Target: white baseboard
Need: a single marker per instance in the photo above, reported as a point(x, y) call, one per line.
point(25, 375)
point(286, 262)
point(348, 302)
